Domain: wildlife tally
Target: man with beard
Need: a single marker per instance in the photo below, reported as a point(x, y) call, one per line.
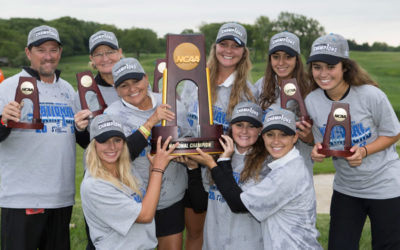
point(37, 166)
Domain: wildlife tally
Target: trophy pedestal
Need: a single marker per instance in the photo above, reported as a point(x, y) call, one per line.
point(209, 141)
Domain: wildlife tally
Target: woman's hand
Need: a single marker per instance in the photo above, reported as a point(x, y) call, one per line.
point(82, 119)
point(162, 112)
point(204, 159)
point(228, 146)
point(187, 161)
point(162, 157)
point(315, 155)
point(356, 159)
point(305, 131)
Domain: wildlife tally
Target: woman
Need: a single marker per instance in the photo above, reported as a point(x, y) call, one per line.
point(284, 62)
point(368, 182)
point(137, 103)
point(283, 200)
point(118, 210)
point(229, 64)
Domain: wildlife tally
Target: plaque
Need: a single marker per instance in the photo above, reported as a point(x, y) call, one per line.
point(27, 89)
point(161, 64)
point(290, 92)
point(339, 116)
point(89, 93)
point(186, 61)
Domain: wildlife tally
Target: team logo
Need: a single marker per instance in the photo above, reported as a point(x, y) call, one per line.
point(186, 56)
point(86, 81)
point(340, 114)
point(27, 88)
point(290, 89)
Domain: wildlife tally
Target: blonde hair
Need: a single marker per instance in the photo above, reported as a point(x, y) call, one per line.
point(240, 89)
point(98, 170)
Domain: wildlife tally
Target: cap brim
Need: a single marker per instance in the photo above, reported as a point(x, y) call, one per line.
point(286, 49)
point(281, 127)
point(329, 59)
point(103, 137)
point(43, 40)
point(103, 43)
point(251, 120)
point(138, 76)
point(233, 38)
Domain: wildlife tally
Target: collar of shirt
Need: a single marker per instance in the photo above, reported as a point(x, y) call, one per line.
point(229, 81)
point(150, 94)
point(285, 159)
point(35, 73)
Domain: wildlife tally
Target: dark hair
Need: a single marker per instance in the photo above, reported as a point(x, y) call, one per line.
point(268, 95)
point(353, 74)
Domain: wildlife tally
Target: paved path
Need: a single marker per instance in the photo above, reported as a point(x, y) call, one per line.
point(323, 190)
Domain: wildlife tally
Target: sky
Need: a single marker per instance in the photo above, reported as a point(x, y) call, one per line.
point(360, 20)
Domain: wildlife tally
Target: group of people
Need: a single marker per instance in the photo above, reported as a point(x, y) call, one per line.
point(258, 194)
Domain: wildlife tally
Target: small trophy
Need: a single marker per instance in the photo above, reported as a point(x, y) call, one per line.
point(89, 93)
point(186, 61)
point(290, 92)
point(161, 64)
point(27, 89)
point(339, 116)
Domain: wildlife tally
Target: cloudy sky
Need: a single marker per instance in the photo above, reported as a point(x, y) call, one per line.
point(361, 20)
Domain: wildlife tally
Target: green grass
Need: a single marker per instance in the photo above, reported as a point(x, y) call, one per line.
point(383, 66)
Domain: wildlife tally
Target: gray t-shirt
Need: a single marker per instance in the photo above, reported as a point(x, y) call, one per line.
point(224, 229)
point(111, 214)
point(304, 148)
point(108, 93)
point(175, 177)
point(378, 177)
point(284, 202)
point(37, 167)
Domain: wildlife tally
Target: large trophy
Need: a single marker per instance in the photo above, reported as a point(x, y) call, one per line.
point(89, 93)
point(290, 92)
point(339, 116)
point(186, 61)
point(27, 89)
point(161, 64)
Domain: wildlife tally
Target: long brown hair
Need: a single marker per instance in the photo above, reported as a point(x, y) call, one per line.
point(268, 94)
point(240, 90)
point(254, 159)
point(97, 170)
point(353, 74)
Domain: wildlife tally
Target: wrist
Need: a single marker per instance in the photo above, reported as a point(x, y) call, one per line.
point(365, 151)
point(3, 122)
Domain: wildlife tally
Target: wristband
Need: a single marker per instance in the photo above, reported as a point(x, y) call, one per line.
point(366, 151)
point(159, 170)
point(2, 123)
point(145, 131)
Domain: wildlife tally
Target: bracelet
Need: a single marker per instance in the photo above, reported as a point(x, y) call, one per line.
point(2, 122)
point(366, 151)
point(159, 170)
point(145, 131)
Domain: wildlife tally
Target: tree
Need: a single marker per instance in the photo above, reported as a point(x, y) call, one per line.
point(307, 29)
point(138, 40)
point(210, 32)
point(263, 31)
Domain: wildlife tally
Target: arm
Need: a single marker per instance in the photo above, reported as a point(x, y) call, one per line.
point(228, 187)
point(4, 131)
point(159, 162)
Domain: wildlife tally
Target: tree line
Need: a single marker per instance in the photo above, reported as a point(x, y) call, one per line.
point(75, 35)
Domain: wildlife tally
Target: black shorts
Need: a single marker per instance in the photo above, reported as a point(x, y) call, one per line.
point(47, 230)
point(186, 200)
point(170, 220)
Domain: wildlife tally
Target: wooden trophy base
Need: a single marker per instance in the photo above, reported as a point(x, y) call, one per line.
point(339, 153)
point(36, 124)
point(187, 146)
